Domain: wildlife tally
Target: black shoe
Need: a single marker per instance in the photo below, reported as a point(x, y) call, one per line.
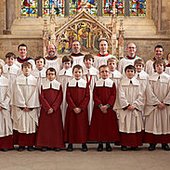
point(124, 148)
point(165, 147)
point(152, 147)
point(134, 148)
point(108, 147)
point(84, 147)
point(4, 149)
point(21, 148)
point(30, 148)
point(43, 149)
point(70, 147)
point(57, 149)
point(100, 147)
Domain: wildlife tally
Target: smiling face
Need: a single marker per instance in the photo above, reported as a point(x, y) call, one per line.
point(88, 62)
point(131, 49)
point(103, 47)
point(40, 64)
point(112, 65)
point(139, 67)
point(76, 47)
point(22, 51)
point(67, 65)
point(159, 68)
point(51, 50)
point(10, 61)
point(159, 53)
point(77, 73)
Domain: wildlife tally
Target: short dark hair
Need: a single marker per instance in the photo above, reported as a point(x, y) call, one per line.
point(52, 70)
point(139, 61)
point(26, 63)
point(22, 45)
point(38, 58)
point(102, 39)
point(67, 59)
point(88, 56)
point(159, 61)
point(159, 46)
point(10, 55)
point(103, 66)
point(79, 67)
point(130, 67)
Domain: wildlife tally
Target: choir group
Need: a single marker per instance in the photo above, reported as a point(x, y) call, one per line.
point(51, 102)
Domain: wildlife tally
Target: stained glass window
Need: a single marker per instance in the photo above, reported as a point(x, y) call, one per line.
point(137, 7)
point(58, 7)
point(29, 8)
point(78, 5)
point(108, 7)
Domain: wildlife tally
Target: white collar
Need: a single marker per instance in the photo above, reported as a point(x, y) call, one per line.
point(11, 69)
point(39, 73)
point(116, 74)
point(23, 80)
point(3, 81)
point(142, 75)
point(81, 83)
point(126, 81)
point(91, 71)
point(164, 78)
point(104, 82)
point(46, 84)
point(67, 72)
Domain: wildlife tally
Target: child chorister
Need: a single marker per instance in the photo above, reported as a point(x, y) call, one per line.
point(76, 123)
point(50, 130)
point(10, 70)
point(90, 74)
point(157, 110)
point(40, 71)
point(6, 131)
point(104, 126)
point(25, 107)
point(130, 110)
point(65, 75)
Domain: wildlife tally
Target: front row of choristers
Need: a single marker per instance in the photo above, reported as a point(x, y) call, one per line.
point(45, 109)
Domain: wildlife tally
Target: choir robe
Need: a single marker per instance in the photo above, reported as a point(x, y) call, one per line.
point(104, 126)
point(6, 131)
point(78, 59)
point(130, 122)
point(2, 62)
point(50, 129)
point(91, 76)
point(157, 122)
point(149, 67)
point(10, 72)
point(116, 76)
point(64, 77)
point(25, 94)
point(77, 125)
point(101, 60)
point(40, 75)
point(125, 62)
point(54, 63)
point(167, 69)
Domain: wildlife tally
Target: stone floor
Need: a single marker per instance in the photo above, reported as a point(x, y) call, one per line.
point(91, 160)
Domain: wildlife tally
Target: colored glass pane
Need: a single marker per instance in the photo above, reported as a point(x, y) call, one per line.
point(137, 7)
point(29, 8)
point(108, 7)
point(49, 4)
point(78, 5)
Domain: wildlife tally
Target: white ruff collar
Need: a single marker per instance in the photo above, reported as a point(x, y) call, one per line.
point(46, 84)
point(116, 74)
point(142, 75)
point(91, 71)
point(164, 78)
point(81, 83)
point(104, 83)
point(10, 69)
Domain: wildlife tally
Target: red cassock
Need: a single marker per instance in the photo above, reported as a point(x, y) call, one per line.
point(50, 130)
point(77, 125)
point(104, 126)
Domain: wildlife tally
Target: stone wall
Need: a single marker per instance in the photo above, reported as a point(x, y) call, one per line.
point(8, 44)
point(2, 16)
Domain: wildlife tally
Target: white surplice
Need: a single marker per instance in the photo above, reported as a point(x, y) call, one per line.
point(25, 94)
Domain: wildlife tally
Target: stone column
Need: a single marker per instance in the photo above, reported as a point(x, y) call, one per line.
point(39, 8)
point(66, 8)
point(100, 8)
point(127, 7)
point(10, 15)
